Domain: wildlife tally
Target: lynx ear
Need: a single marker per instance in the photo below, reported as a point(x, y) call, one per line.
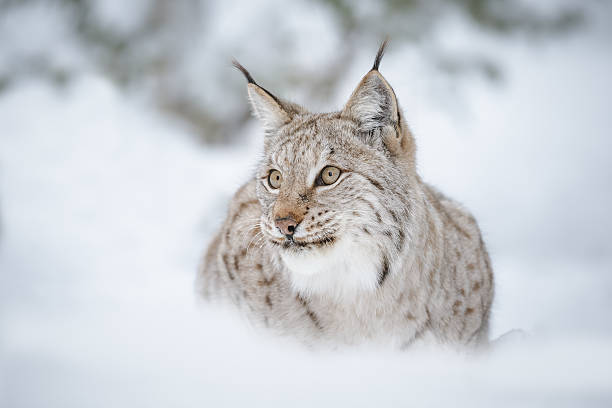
point(373, 103)
point(267, 108)
point(272, 112)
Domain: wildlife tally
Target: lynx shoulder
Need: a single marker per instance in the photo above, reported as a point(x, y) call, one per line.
point(337, 240)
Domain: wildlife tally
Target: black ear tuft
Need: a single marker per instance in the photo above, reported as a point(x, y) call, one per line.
point(379, 54)
point(244, 71)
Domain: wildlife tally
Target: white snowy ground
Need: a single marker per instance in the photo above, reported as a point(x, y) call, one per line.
point(105, 209)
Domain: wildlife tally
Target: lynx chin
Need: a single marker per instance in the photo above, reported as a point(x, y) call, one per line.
point(336, 240)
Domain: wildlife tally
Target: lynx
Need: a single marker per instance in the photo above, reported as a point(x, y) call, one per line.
point(336, 240)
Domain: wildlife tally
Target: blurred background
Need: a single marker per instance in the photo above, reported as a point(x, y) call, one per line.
point(124, 131)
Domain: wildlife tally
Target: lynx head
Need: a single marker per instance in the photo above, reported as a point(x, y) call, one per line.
point(335, 187)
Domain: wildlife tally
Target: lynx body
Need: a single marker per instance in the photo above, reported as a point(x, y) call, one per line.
point(337, 240)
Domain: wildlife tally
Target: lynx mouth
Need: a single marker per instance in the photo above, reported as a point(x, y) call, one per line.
point(293, 244)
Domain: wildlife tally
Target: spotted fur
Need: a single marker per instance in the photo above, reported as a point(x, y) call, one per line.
point(379, 255)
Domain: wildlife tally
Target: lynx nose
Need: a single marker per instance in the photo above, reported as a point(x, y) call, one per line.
point(286, 226)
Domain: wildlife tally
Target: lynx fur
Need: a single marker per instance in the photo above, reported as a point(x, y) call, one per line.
point(376, 256)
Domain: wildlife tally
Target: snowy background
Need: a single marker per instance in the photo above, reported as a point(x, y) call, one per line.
point(108, 199)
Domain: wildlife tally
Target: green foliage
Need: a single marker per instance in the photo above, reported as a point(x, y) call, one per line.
point(119, 54)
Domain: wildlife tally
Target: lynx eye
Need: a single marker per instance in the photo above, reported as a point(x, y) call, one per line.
point(329, 175)
point(275, 179)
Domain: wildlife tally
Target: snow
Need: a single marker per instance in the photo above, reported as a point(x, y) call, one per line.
point(106, 207)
